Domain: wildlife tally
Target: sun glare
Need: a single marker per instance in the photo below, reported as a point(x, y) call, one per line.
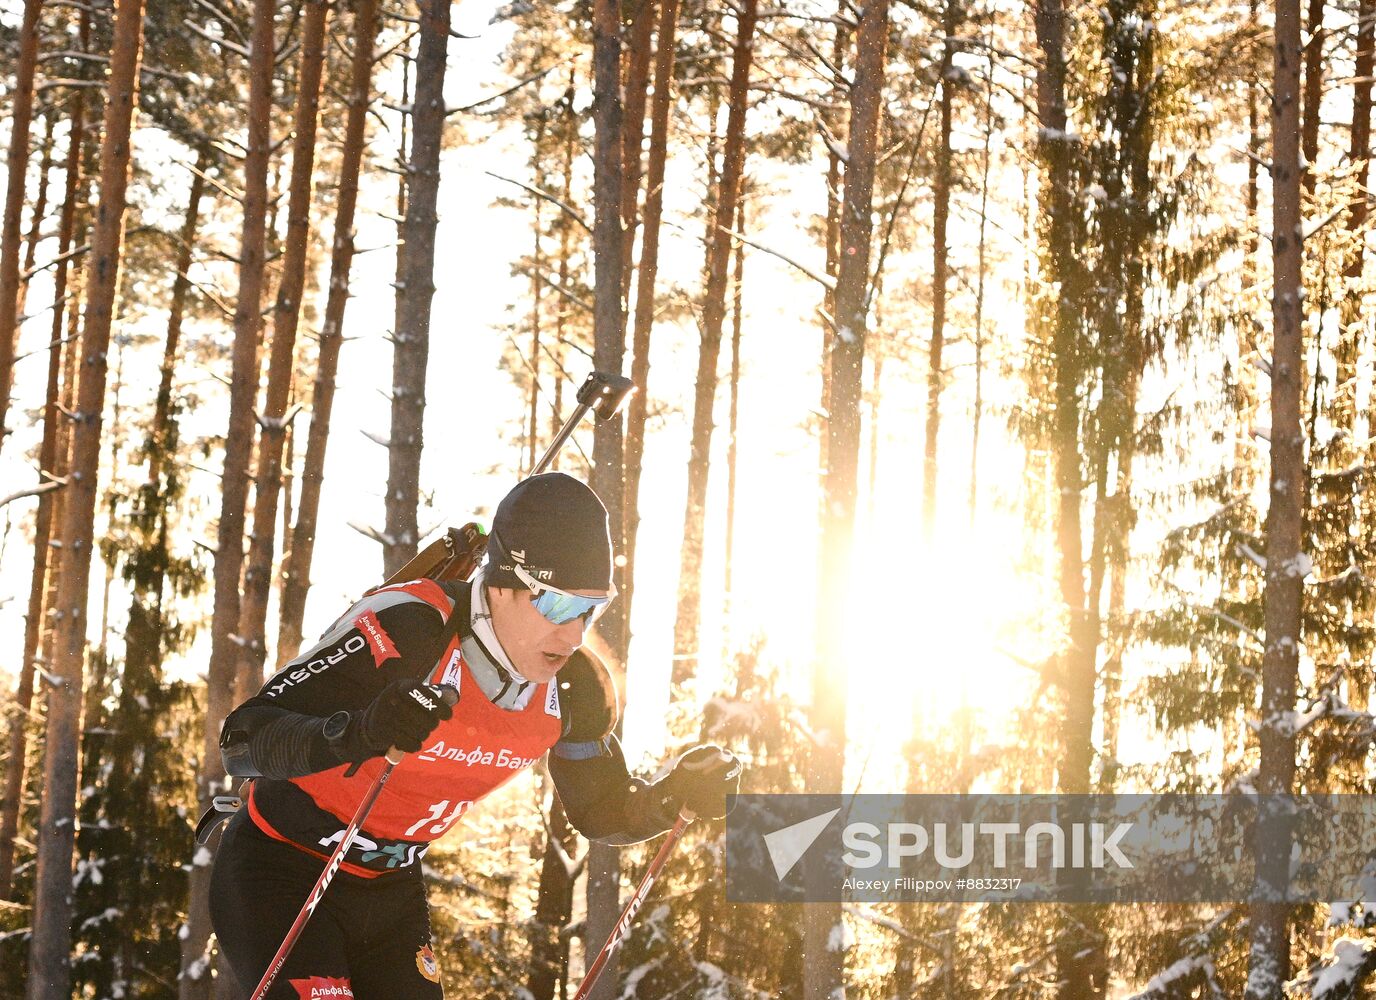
point(934, 628)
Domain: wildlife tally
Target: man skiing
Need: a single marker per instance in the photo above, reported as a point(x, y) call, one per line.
point(314, 737)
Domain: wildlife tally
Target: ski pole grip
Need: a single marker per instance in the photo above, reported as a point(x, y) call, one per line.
point(603, 393)
point(450, 696)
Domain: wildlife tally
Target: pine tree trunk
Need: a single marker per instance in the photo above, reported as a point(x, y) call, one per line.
point(549, 950)
point(1269, 964)
point(1075, 948)
point(608, 455)
point(646, 275)
point(537, 286)
point(181, 287)
point(637, 58)
point(298, 562)
point(1359, 152)
point(195, 981)
point(286, 315)
point(832, 230)
point(21, 115)
point(416, 289)
point(1313, 96)
point(50, 462)
point(50, 951)
point(729, 544)
point(561, 314)
point(941, 210)
point(977, 416)
point(686, 626)
point(822, 922)
point(40, 209)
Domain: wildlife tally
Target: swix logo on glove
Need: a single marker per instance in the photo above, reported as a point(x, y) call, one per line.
point(422, 699)
point(379, 641)
point(322, 988)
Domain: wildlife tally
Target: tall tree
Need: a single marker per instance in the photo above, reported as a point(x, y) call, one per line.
point(1269, 962)
point(39, 211)
point(732, 426)
point(415, 289)
point(1063, 274)
point(646, 276)
point(688, 621)
point(50, 462)
point(298, 562)
point(823, 958)
point(637, 59)
point(50, 952)
point(21, 115)
point(267, 479)
point(1359, 152)
point(829, 121)
point(608, 454)
point(195, 981)
point(941, 251)
point(1312, 95)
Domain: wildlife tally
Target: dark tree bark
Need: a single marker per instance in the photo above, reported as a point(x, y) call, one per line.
point(195, 980)
point(608, 455)
point(416, 290)
point(1359, 152)
point(21, 115)
point(646, 275)
point(267, 479)
point(1269, 963)
point(50, 950)
point(637, 58)
point(40, 209)
point(50, 464)
point(298, 563)
point(823, 963)
point(549, 959)
point(1076, 946)
point(941, 210)
point(1313, 95)
point(686, 625)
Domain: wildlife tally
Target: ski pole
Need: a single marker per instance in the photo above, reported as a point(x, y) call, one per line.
point(623, 925)
point(393, 758)
point(601, 392)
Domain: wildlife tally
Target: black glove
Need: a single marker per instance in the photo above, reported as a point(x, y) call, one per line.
point(701, 780)
point(402, 716)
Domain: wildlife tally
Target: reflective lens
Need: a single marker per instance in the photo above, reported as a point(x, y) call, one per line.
point(558, 606)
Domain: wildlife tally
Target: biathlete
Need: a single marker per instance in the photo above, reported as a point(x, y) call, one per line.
point(314, 737)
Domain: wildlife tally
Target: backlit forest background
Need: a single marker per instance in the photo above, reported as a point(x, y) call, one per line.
point(1006, 422)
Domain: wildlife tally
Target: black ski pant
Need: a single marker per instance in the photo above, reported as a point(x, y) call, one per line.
point(369, 939)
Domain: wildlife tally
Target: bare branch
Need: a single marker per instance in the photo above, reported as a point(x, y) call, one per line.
point(567, 209)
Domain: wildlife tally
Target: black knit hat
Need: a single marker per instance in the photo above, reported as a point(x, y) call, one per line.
point(556, 529)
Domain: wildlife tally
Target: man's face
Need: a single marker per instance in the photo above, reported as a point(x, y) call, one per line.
point(536, 646)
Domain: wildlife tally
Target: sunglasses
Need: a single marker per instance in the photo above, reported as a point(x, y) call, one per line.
point(559, 606)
